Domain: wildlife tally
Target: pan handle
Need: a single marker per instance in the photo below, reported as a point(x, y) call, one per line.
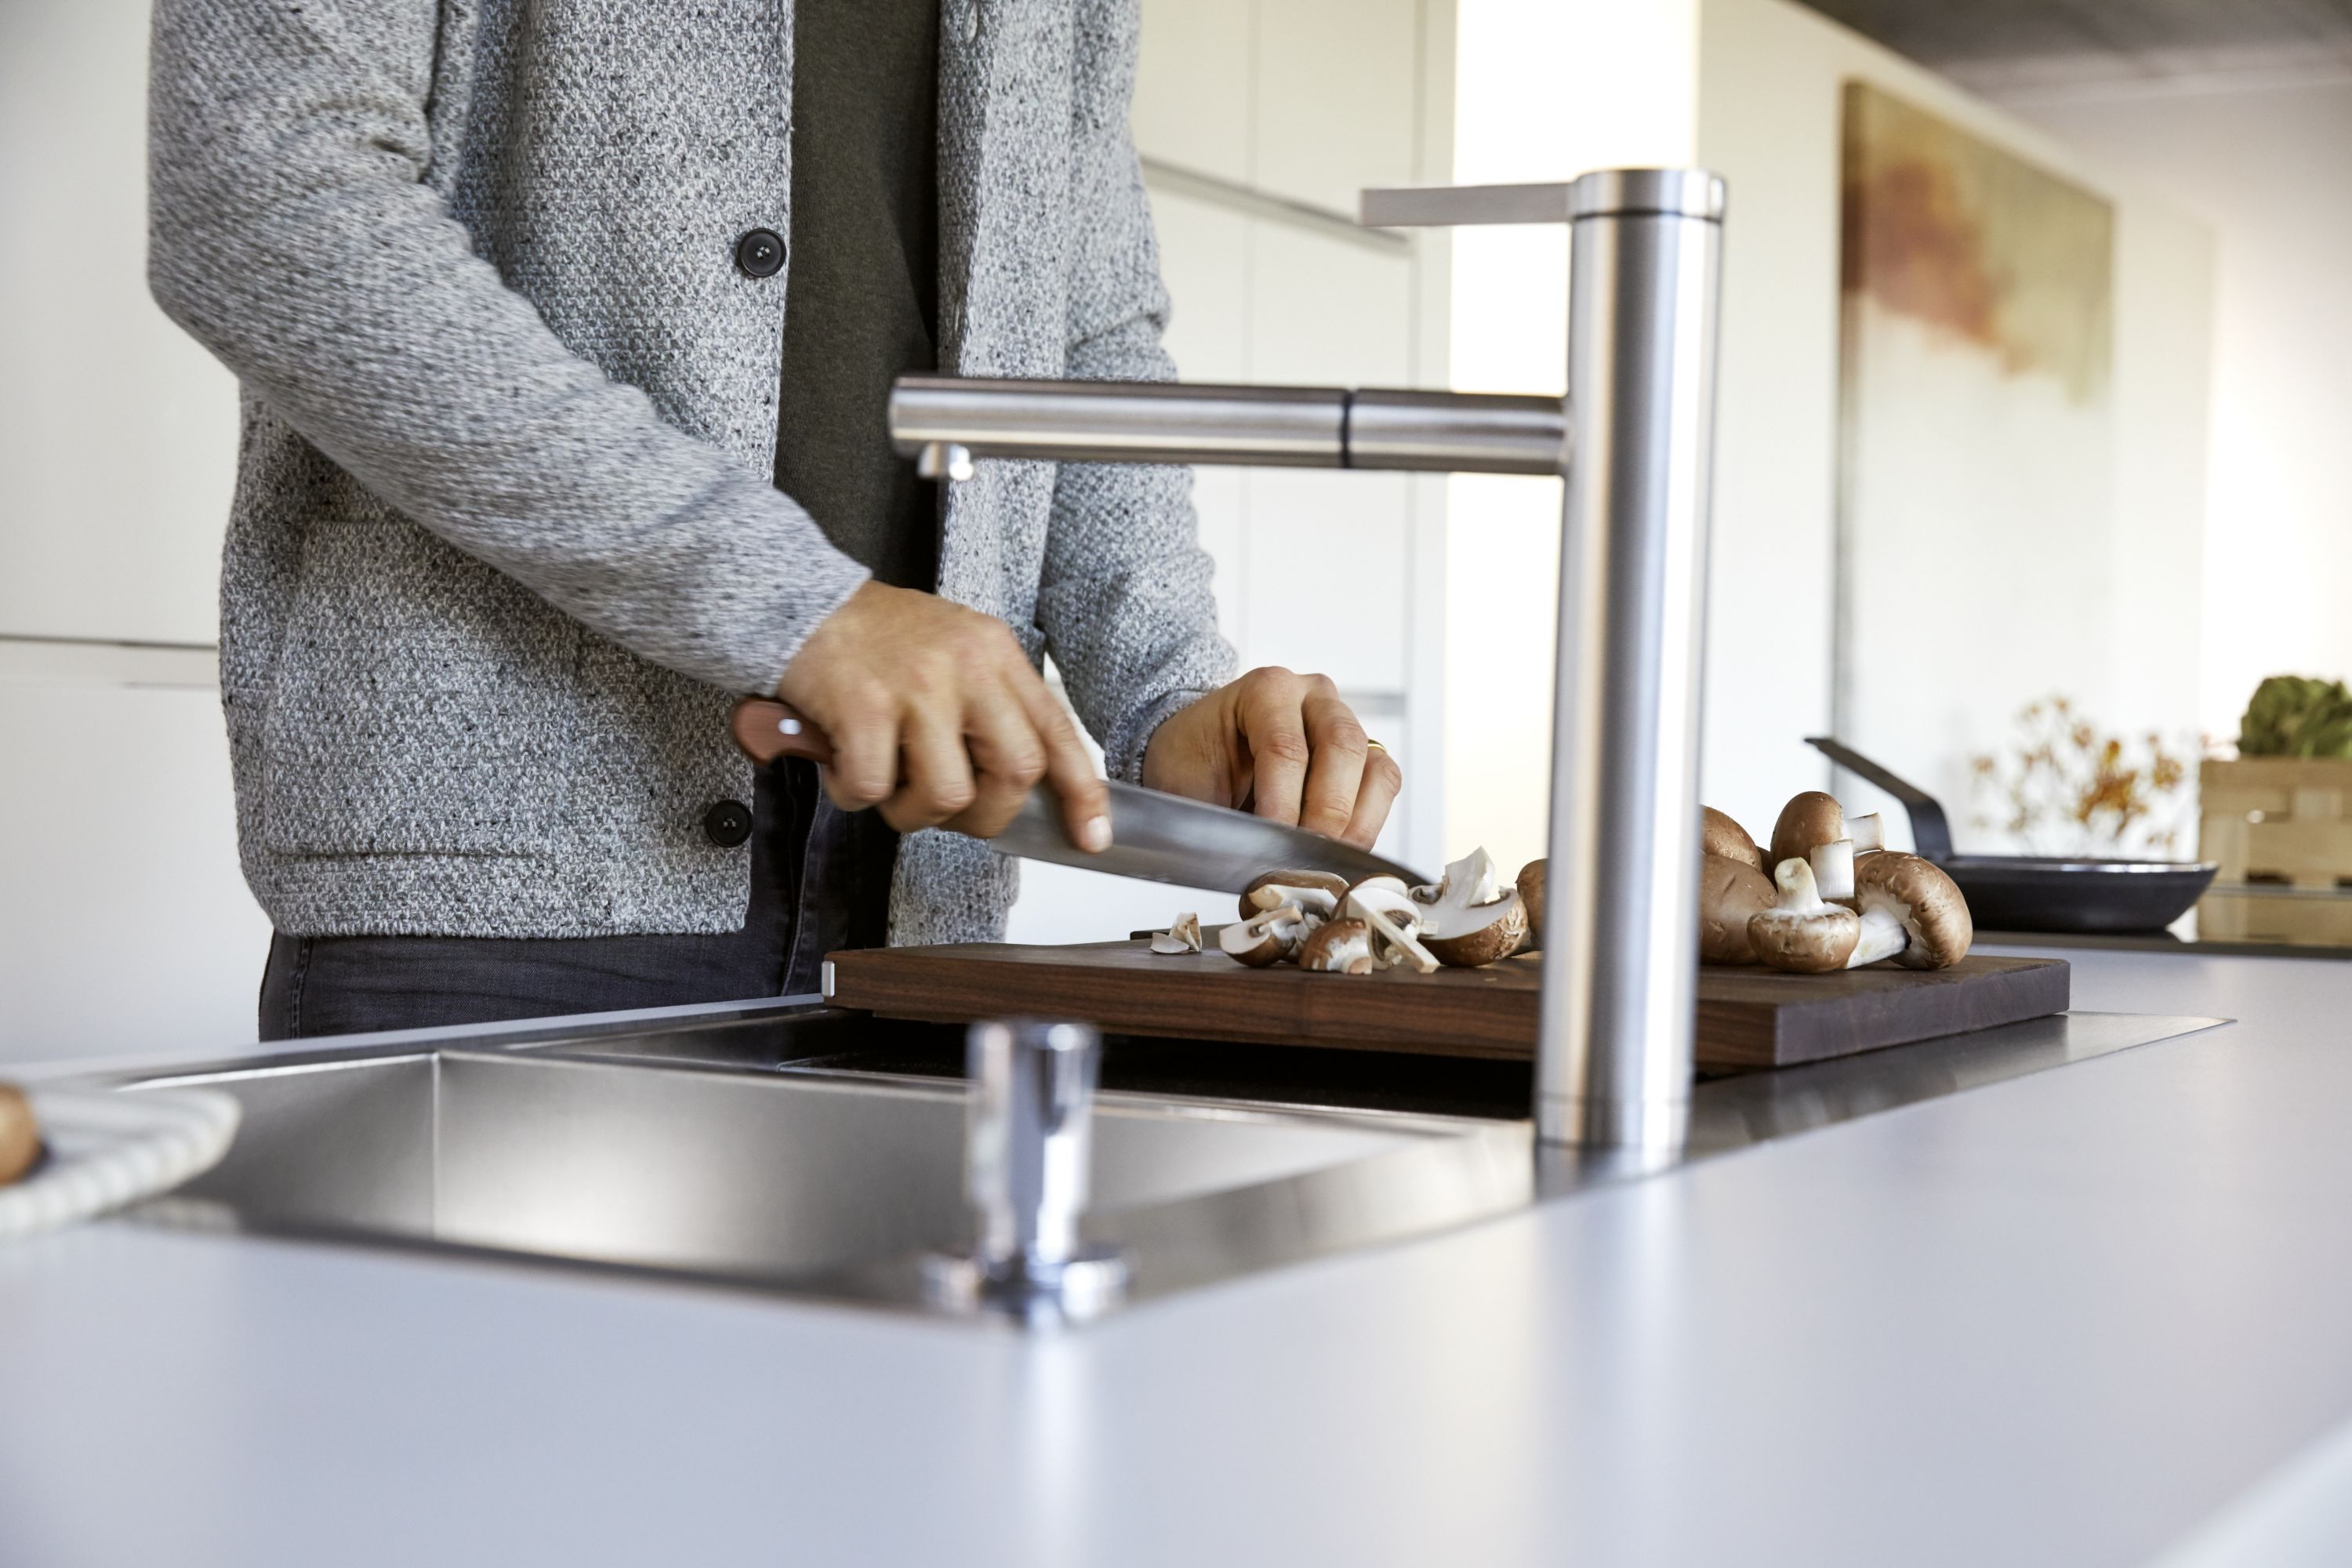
point(1930, 831)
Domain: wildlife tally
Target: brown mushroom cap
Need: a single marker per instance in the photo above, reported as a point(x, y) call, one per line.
point(1340, 947)
point(1928, 903)
point(1808, 819)
point(1266, 891)
point(1531, 894)
point(1719, 835)
point(1730, 893)
point(20, 1136)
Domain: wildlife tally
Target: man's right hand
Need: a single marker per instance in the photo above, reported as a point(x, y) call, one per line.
point(938, 718)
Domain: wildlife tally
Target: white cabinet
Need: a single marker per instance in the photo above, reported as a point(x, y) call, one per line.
point(117, 433)
point(1337, 100)
point(124, 921)
point(1193, 93)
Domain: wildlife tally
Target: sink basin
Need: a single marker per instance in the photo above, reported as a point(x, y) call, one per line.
point(792, 1148)
point(799, 1180)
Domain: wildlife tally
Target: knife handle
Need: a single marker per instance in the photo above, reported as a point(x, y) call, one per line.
point(767, 731)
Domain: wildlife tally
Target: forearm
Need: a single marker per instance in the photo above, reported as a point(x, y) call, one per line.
point(295, 235)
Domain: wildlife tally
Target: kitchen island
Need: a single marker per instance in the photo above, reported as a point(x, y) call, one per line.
point(2079, 1317)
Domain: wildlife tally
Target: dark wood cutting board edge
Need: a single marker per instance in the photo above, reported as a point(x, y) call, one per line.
point(1746, 1017)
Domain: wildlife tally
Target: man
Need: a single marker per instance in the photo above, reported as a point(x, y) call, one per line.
point(564, 331)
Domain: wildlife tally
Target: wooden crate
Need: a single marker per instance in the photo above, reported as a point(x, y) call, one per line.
point(2274, 819)
point(2277, 820)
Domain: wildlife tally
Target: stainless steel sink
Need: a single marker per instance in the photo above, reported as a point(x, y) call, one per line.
point(798, 1179)
point(792, 1148)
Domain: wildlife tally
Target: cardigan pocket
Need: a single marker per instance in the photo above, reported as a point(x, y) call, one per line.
point(418, 706)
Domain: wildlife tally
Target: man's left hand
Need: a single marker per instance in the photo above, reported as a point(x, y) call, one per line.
point(1282, 745)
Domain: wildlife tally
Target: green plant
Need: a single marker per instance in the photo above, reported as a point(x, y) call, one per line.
point(2067, 787)
point(2297, 716)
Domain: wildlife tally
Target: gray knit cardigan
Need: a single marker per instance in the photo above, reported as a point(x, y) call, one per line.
point(505, 542)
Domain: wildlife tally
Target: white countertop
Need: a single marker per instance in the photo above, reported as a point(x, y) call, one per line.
point(2067, 1318)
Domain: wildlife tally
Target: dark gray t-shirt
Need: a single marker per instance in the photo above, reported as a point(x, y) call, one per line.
point(862, 293)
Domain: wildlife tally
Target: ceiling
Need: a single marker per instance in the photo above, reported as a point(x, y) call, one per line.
point(2025, 44)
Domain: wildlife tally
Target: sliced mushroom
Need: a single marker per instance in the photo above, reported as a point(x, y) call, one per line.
point(1531, 894)
point(1799, 932)
point(1383, 904)
point(1182, 935)
point(1340, 947)
point(1808, 819)
point(1276, 934)
point(1730, 893)
point(1719, 835)
point(1316, 892)
point(1470, 916)
point(1912, 912)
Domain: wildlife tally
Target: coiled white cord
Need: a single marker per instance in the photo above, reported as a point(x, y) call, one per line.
point(107, 1150)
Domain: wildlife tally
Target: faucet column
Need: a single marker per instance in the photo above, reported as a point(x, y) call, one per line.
point(1614, 1060)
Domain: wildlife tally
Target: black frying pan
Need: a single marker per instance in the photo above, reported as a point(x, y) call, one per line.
point(2032, 892)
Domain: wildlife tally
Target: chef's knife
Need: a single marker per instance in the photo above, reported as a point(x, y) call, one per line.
point(1159, 838)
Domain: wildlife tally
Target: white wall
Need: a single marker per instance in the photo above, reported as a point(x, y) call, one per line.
point(1543, 90)
point(1770, 74)
point(2270, 168)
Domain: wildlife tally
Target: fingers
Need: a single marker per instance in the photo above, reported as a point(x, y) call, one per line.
point(865, 731)
point(1335, 772)
point(1382, 780)
point(1069, 771)
point(1008, 758)
point(937, 783)
point(1272, 722)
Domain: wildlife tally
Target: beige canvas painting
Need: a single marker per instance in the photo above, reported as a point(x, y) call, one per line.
point(1976, 525)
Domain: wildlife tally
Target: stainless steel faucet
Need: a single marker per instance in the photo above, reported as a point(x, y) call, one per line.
point(1633, 439)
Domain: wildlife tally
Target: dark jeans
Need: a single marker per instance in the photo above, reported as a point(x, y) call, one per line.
point(820, 880)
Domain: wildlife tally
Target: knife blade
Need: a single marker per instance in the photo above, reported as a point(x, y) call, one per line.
point(1157, 836)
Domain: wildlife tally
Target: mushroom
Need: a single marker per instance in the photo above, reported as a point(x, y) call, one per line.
point(1868, 833)
point(1275, 935)
point(1833, 866)
point(1911, 912)
point(1719, 835)
point(1799, 932)
point(1808, 819)
point(20, 1135)
point(1182, 935)
point(1470, 917)
point(1730, 893)
point(1383, 904)
point(1316, 892)
point(1340, 947)
point(1531, 895)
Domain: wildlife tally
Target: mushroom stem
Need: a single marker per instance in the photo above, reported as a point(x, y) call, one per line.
point(1833, 868)
point(1883, 936)
point(1868, 833)
point(1401, 937)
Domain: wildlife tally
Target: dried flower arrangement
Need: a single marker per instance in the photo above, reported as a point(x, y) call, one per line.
point(2067, 787)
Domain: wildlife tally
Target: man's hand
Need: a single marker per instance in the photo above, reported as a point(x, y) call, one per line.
point(938, 718)
point(1282, 746)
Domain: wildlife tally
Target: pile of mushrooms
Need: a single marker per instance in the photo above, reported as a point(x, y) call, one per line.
point(1837, 898)
point(1466, 919)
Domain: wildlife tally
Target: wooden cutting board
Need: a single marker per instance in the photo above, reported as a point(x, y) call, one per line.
point(1746, 1017)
